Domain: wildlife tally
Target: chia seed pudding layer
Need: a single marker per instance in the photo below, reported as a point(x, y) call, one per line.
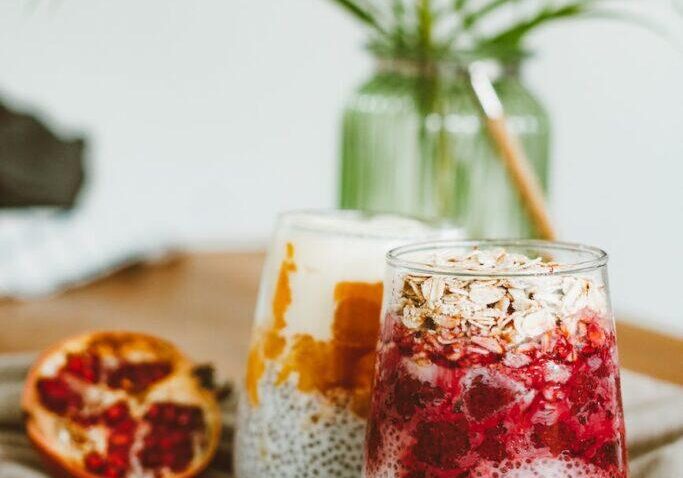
point(295, 434)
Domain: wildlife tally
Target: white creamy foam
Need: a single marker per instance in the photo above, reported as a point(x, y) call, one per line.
point(388, 466)
point(542, 468)
point(330, 248)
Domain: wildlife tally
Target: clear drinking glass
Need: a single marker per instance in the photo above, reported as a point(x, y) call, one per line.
point(312, 353)
point(496, 359)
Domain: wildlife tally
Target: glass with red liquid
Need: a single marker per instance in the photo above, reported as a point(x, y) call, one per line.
point(496, 359)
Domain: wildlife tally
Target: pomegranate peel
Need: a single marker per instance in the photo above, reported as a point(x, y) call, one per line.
point(120, 405)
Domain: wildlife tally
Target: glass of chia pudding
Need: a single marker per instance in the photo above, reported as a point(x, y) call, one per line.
point(496, 359)
point(311, 361)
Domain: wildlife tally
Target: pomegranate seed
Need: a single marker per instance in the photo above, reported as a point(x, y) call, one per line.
point(191, 418)
point(169, 442)
point(181, 439)
point(56, 395)
point(167, 458)
point(153, 413)
point(85, 366)
point(188, 417)
point(94, 462)
point(185, 419)
point(150, 457)
point(86, 420)
point(118, 460)
point(118, 439)
point(182, 460)
point(117, 412)
point(168, 414)
point(127, 426)
point(114, 471)
point(137, 377)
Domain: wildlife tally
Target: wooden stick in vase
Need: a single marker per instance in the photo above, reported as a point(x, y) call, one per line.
point(511, 152)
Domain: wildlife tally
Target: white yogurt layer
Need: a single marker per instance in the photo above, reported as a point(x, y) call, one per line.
point(329, 248)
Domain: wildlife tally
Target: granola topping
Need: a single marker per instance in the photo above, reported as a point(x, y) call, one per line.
point(495, 313)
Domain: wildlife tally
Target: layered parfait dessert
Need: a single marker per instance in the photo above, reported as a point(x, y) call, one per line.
point(499, 361)
point(311, 360)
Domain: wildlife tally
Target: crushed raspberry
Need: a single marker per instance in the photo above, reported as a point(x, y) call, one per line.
point(583, 391)
point(373, 440)
point(463, 417)
point(558, 437)
point(410, 393)
point(442, 444)
point(483, 400)
point(607, 455)
point(596, 335)
point(562, 348)
point(493, 447)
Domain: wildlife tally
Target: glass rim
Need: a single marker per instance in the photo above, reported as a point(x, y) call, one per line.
point(296, 218)
point(599, 257)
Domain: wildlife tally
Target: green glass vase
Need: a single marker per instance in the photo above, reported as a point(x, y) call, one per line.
point(413, 142)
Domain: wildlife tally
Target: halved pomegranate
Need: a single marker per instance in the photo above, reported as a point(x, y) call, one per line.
point(118, 404)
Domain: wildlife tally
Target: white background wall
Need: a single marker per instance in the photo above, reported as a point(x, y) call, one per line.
point(208, 117)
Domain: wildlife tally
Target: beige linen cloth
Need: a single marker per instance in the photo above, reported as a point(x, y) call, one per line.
point(654, 423)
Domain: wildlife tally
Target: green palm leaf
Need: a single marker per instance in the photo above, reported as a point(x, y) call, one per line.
point(459, 5)
point(361, 13)
point(433, 29)
point(470, 19)
point(510, 38)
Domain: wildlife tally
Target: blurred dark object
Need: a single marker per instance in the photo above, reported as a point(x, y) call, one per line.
point(37, 168)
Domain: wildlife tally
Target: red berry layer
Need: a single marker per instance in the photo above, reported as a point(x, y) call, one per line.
point(441, 418)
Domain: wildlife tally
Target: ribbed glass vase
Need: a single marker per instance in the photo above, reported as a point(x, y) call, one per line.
point(413, 142)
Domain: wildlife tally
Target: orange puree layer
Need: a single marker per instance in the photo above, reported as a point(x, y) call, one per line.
point(271, 344)
point(345, 364)
point(339, 368)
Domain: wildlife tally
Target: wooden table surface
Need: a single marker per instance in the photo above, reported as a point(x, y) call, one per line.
point(204, 303)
